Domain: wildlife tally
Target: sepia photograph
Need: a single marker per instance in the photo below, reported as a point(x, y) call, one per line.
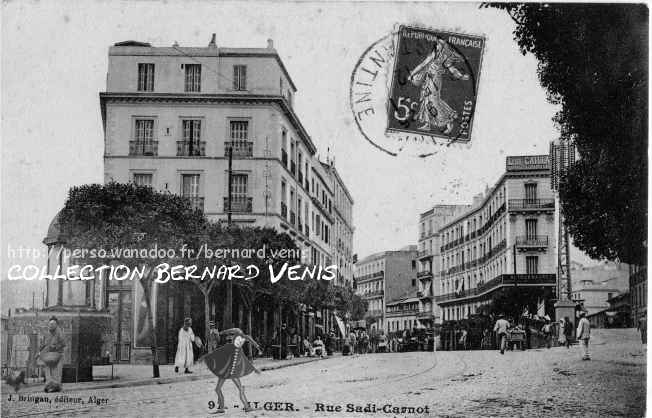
point(323, 209)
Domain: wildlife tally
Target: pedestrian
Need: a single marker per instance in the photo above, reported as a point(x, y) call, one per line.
point(642, 327)
point(501, 332)
point(185, 357)
point(583, 335)
point(284, 341)
point(354, 342)
point(561, 339)
point(213, 338)
point(463, 338)
point(568, 331)
point(318, 345)
point(547, 332)
point(51, 355)
point(230, 362)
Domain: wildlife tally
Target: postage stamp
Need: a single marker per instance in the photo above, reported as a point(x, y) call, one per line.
point(434, 83)
point(415, 90)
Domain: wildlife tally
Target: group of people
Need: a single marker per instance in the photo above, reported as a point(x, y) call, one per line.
point(565, 333)
point(289, 343)
point(357, 342)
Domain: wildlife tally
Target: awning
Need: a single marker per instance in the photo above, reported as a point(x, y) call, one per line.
point(340, 325)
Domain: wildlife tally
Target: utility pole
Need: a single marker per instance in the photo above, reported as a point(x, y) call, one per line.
point(228, 307)
point(562, 157)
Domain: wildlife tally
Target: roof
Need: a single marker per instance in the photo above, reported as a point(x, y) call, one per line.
point(404, 300)
point(54, 231)
point(383, 254)
point(128, 48)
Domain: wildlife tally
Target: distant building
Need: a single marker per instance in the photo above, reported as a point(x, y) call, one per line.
point(593, 286)
point(638, 292)
point(384, 277)
point(403, 314)
point(428, 260)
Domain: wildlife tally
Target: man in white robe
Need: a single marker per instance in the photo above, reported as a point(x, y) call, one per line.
point(185, 356)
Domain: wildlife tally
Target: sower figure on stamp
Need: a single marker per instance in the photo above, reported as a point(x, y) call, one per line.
point(433, 110)
point(230, 362)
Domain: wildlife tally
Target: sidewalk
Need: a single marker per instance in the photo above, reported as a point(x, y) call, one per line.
point(127, 375)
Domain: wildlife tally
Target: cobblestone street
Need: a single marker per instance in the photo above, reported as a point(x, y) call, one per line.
point(553, 382)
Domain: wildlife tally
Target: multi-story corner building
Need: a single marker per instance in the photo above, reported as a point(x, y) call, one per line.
point(428, 260)
point(507, 239)
point(593, 286)
point(342, 239)
point(174, 116)
point(383, 278)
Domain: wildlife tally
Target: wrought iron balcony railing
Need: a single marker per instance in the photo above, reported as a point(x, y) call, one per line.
point(531, 204)
point(143, 147)
point(241, 204)
point(241, 148)
point(191, 148)
point(532, 241)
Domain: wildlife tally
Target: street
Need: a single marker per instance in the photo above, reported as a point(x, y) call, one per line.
point(550, 382)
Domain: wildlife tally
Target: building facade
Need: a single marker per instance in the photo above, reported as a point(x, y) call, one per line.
point(506, 240)
point(342, 240)
point(173, 117)
point(385, 277)
point(593, 286)
point(428, 260)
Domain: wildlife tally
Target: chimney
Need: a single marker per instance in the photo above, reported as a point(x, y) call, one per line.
point(270, 44)
point(212, 43)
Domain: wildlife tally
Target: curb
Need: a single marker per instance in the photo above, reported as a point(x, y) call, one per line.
point(169, 380)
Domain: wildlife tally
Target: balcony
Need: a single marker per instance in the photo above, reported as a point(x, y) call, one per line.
point(425, 315)
point(239, 204)
point(284, 211)
point(149, 148)
point(241, 148)
point(423, 254)
point(501, 281)
point(284, 157)
point(374, 313)
point(374, 293)
point(532, 242)
point(191, 148)
point(424, 274)
point(196, 202)
point(531, 205)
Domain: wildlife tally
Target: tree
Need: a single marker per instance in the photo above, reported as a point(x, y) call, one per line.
point(592, 61)
point(116, 217)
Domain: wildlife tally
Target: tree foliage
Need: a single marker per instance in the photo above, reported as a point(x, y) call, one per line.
point(593, 63)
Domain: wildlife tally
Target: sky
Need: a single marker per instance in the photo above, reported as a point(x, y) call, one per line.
point(54, 64)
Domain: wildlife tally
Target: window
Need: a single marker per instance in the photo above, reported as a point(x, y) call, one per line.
point(144, 130)
point(239, 129)
point(145, 77)
point(532, 264)
point(238, 186)
point(191, 130)
point(530, 228)
point(143, 179)
point(414, 282)
point(193, 77)
point(239, 77)
point(190, 185)
point(530, 192)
